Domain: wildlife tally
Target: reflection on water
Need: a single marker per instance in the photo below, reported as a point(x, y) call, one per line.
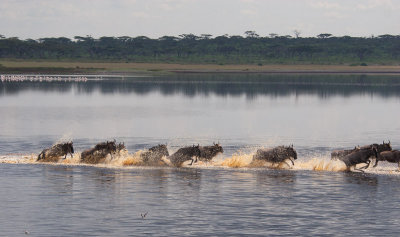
point(316, 113)
point(224, 85)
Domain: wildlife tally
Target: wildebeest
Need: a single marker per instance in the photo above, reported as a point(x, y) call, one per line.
point(276, 155)
point(379, 147)
point(360, 156)
point(184, 154)
point(339, 154)
point(53, 153)
point(99, 152)
point(209, 152)
point(154, 154)
point(389, 156)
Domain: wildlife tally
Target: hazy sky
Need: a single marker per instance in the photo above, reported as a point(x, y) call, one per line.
point(155, 18)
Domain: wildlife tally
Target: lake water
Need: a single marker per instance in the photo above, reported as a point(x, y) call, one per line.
point(315, 113)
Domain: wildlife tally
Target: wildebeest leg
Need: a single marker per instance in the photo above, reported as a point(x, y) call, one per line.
point(359, 169)
point(41, 154)
point(291, 161)
point(287, 163)
point(376, 163)
point(366, 167)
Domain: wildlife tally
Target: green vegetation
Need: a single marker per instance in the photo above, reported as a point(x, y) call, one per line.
point(221, 50)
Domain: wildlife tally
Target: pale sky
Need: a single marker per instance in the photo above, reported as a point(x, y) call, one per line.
point(155, 18)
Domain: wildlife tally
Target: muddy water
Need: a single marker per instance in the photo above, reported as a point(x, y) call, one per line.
point(314, 113)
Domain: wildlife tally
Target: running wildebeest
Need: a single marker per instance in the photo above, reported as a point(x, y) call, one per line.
point(276, 155)
point(389, 156)
point(209, 152)
point(53, 153)
point(360, 156)
point(379, 147)
point(339, 154)
point(99, 152)
point(184, 154)
point(154, 154)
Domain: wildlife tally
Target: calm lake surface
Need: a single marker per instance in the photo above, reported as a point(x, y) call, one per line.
point(315, 113)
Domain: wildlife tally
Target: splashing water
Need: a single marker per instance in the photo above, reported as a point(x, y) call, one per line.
point(320, 164)
point(238, 160)
point(126, 159)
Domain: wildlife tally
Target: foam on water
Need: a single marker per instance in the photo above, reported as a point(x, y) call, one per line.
point(242, 160)
point(320, 164)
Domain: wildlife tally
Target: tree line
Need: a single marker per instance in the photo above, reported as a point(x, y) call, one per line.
point(251, 48)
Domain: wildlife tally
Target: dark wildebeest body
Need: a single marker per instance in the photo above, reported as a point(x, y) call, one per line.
point(53, 153)
point(339, 154)
point(276, 155)
point(360, 156)
point(98, 153)
point(209, 152)
point(379, 147)
point(184, 154)
point(389, 156)
point(153, 155)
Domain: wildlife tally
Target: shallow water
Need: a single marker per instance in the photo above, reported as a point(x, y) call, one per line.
point(316, 114)
point(48, 200)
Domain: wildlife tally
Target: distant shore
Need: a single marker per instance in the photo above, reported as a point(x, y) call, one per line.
point(42, 67)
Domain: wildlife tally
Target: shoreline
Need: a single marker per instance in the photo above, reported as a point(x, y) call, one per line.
point(40, 67)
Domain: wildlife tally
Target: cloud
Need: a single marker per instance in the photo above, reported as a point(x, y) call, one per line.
point(335, 15)
point(329, 5)
point(248, 12)
point(374, 4)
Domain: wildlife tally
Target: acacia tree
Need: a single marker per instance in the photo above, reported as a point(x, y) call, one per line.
point(324, 35)
point(297, 33)
point(273, 35)
point(251, 34)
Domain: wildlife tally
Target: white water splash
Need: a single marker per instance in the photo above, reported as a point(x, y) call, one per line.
point(242, 160)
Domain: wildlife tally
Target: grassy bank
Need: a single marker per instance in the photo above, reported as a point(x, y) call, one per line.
point(23, 66)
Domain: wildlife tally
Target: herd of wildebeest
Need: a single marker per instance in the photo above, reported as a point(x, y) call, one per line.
point(154, 155)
